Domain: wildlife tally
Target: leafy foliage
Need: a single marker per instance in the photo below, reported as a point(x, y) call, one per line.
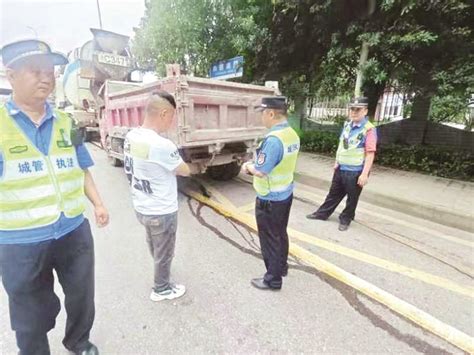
point(424, 159)
point(312, 47)
point(421, 46)
point(430, 160)
point(197, 33)
point(450, 108)
point(319, 142)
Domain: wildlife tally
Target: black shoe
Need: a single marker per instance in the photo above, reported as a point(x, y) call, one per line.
point(315, 216)
point(91, 350)
point(343, 227)
point(261, 284)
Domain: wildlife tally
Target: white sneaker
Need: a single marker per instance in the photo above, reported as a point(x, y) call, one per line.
point(172, 292)
point(178, 287)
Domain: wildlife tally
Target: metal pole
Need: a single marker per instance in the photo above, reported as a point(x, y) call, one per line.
point(100, 17)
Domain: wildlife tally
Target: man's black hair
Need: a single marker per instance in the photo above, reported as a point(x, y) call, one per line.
point(165, 95)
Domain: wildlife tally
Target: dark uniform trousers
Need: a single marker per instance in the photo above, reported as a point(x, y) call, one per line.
point(343, 183)
point(27, 275)
point(272, 222)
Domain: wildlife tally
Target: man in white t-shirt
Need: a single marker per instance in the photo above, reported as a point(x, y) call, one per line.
point(151, 164)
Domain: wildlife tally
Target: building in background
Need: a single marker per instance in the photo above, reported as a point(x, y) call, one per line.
point(390, 106)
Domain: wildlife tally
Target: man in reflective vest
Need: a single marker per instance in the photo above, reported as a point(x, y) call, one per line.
point(273, 172)
point(43, 184)
point(354, 158)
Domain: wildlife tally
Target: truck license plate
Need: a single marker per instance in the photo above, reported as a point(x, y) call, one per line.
point(113, 59)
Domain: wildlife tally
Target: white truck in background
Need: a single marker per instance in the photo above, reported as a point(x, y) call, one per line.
point(78, 85)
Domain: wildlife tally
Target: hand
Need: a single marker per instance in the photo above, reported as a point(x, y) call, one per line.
point(363, 179)
point(245, 168)
point(101, 216)
point(336, 165)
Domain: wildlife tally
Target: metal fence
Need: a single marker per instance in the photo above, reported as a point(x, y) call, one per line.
point(323, 110)
point(391, 106)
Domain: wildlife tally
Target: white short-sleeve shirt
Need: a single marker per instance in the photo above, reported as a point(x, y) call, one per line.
point(150, 161)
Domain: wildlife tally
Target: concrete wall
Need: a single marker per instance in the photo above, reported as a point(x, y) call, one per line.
point(411, 132)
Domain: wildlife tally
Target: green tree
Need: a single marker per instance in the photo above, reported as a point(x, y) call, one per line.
point(426, 46)
point(312, 47)
point(423, 46)
point(318, 41)
point(197, 33)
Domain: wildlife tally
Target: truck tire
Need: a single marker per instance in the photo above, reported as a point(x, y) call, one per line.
point(115, 162)
point(91, 136)
point(224, 172)
point(108, 148)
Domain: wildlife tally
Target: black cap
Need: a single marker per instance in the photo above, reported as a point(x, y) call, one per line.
point(15, 51)
point(273, 102)
point(359, 102)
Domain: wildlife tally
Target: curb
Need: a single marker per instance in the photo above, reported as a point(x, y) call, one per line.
point(442, 216)
point(424, 320)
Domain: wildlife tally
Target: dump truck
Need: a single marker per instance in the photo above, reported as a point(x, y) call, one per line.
point(105, 57)
point(216, 127)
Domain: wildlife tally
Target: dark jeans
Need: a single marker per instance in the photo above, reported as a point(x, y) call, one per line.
point(161, 239)
point(272, 221)
point(27, 275)
point(343, 183)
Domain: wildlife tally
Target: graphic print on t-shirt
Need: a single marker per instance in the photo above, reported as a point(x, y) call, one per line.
point(150, 161)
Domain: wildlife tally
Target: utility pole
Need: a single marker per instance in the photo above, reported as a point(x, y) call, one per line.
point(98, 11)
point(364, 53)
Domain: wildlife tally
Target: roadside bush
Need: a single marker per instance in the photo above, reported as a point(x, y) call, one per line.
point(338, 120)
point(430, 160)
point(319, 142)
point(425, 159)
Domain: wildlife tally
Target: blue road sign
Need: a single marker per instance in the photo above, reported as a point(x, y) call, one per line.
point(226, 69)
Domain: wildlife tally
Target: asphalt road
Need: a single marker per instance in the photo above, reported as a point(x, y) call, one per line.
point(423, 263)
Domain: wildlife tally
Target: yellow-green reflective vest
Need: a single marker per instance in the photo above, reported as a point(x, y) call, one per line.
point(35, 188)
point(352, 151)
point(282, 175)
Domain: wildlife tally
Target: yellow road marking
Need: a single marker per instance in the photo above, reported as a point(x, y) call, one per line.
point(217, 194)
point(372, 260)
point(247, 208)
point(304, 193)
point(433, 253)
point(319, 198)
point(416, 315)
point(423, 319)
point(384, 264)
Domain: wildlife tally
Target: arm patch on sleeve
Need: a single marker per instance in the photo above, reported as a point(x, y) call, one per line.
point(261, 159)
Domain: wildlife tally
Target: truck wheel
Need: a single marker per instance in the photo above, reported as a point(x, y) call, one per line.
point(87, 137)
point(108, 148)
point(91, 136)
point(115, 162)
point(224, 172)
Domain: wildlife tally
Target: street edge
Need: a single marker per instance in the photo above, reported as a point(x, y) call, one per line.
point(405, 309)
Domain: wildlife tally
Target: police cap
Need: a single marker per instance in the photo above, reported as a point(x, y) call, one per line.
point(359, 102)
point(16, 51)
point(273, 102)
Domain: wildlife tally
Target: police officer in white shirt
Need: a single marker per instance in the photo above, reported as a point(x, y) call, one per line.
point(152, 163)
